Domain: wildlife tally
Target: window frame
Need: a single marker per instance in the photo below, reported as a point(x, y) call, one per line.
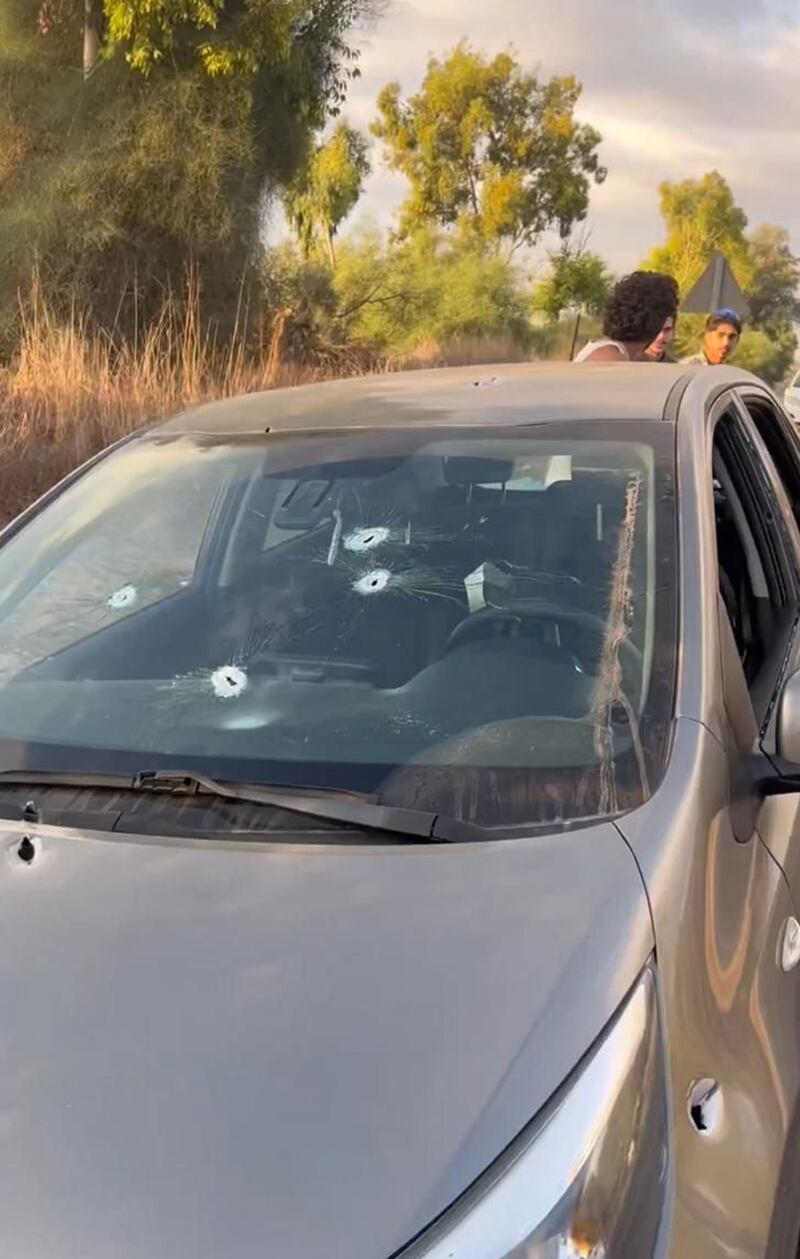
point(767, 512)
point(786, 467)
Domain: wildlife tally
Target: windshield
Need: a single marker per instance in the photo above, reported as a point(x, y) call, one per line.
point(476, 621)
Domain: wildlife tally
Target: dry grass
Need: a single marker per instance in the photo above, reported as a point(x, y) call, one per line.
point(460, 352)
point(72, 391)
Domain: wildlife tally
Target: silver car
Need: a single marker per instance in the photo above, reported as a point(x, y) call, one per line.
point(400, 806)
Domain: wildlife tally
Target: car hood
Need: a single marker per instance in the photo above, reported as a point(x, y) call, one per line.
point(303, 1051)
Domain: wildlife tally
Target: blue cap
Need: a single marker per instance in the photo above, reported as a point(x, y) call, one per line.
point(724, 315)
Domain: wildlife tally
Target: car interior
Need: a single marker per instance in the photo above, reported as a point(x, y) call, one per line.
point(555, 548)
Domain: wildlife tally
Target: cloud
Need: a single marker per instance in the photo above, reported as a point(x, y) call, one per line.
point(675, 90)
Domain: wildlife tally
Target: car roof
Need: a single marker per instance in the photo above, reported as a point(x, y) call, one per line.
point(515, 393)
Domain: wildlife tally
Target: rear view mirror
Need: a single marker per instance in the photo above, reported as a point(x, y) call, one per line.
point(464, 470)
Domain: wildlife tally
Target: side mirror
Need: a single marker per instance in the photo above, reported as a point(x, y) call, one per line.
point(788, 722)
point(783, 776)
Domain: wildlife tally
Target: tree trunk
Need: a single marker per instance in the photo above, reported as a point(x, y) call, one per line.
point(92, 23)
point(575, 336)
point(331, 250)
point(277, 345)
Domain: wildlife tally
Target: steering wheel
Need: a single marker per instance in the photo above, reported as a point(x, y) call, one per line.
point(474, 627)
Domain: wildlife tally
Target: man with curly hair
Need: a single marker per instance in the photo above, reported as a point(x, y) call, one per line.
point(636, 311)
point(658, 351)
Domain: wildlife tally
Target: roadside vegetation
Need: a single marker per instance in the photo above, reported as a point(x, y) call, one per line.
point(147, 145)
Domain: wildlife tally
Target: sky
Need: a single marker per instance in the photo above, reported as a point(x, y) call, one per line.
point(675, 88)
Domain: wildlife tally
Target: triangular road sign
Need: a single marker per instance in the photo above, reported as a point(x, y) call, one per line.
point(715, 290)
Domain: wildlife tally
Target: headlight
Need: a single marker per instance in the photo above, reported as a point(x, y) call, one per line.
point(588, 1177)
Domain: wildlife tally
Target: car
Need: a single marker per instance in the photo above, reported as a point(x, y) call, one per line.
point(791, 398)
point(401, 825)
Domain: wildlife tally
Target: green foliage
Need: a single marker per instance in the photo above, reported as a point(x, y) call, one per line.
point(431, 288)
point(304, 39)
point(489, 148)
point(394, 296)
point(327, 188)
point(147, 31)
point(302, 285)
point(700, 216)
point(773, 290)
point(769, 345)
point(113, 206)
point(768, 354)
point(575, 281)
point(115, 186)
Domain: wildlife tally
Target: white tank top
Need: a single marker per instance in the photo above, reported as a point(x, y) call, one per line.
point(599, 345)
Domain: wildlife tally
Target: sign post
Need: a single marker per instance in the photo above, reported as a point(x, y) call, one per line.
point(716, 290)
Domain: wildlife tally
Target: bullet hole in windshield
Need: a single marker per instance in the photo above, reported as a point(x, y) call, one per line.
point(27, 851)
point(123, 598)
point(229, 682)
point(373, 582)
point(366, 539)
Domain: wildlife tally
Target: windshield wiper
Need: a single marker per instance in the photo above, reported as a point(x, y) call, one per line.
point(347, 808)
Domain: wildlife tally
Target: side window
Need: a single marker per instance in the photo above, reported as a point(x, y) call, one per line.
point(757, 574)
point(782, 445)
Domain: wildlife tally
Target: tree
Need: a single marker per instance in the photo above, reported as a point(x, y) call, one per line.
point(576, 280)
point(393, 297)
point(700, 216)
point(327, 188)
point(768, 354)
point(773, 291)
point(93, 25)
point(490, 148)
point(769, 344)
point(223, 36)
point(166, 155)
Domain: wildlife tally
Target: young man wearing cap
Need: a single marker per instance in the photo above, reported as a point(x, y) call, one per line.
point(721, 337)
